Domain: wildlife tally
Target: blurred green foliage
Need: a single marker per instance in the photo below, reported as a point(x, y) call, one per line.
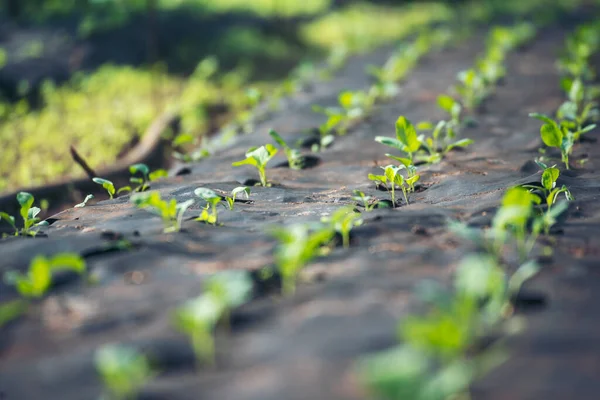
point(363, 25)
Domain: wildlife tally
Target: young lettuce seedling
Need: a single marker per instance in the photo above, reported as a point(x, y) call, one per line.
point(259, 157)
point(123, 370)
point(38, 279)
point(143, 182)
point(368, 202)
point(406, 140)
point(198, 317)
point(342, 221)
point(170, 212)
point(298, 244)
point(392, 178)
point(294, 157)
point(107, 185)
point(244, 190)
point(28, 214)
point(471, 88)
point(212, 200)
point(554, 135)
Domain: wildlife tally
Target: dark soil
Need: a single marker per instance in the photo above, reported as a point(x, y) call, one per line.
point(305, 346)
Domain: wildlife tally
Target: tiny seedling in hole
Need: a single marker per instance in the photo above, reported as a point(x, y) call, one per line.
point(28, 214)
point(294, 157)
point(326, 130)
point(368, 202)
point(554, 135)
point(85, 201)
point(342, 221)
point(198, 317)
point(38, 279)
point(259, 157)
point(549, 192)
point(390, 179)
point(107, 185)
point(212, 200)
point(170, 211)
point(123, 370)
point(143, 182)
point(244, 190)
point(298, 244)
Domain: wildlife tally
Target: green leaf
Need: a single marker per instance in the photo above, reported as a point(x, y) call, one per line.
point(209, 195)
point(157, 174)
point(404, 161)
point(106, 184)
point(406, 133)
point(446, 103)
point(576, 91)
point(551, 134)
point(183, 138)
point(33, 212)
point(522, 274)
point(479, 276)
point(124, 189)
point(549, 177)
point(39, 278)
point(8, 218)
point(139, 168)
point(240, 189)
point(388, 141)
point(233, 288)
point(278, 139)
point(460, 143)
point(68, 261)
point(25, 199)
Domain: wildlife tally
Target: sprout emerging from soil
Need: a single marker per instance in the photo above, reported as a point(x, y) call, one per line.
point(259, 157)
point(170, 211)
point(28, 214)
point(38, 279)
point(123, 370)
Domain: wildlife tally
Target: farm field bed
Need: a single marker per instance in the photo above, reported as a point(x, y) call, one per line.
point(347, 303)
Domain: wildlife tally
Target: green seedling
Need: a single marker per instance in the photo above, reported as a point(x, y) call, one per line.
point(342, 221)
point(107, 185)
point(392, 178)
point(406, 140)
point(454, 110)
point(198, 317)
point(123, 370)
point(294, 157)
point(298, 244)
point(555, 135)
point(549, 192)
point(143, 182)
point(28, 214)
point(212, 200)
point(511, 220)
point(38, 279)
point(170, 211)
point(368, 202)
point(326, 130)
point(84, 202)
point(576, 111)
point(432, 143)
point(243, 190)
point(231, 288)
point(259, 157)
point(471, 88)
